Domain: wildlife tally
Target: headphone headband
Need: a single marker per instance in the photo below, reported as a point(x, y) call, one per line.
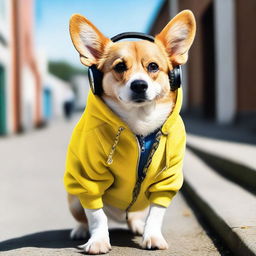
point(132, 35)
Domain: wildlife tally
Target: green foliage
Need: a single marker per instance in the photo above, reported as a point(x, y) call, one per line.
point(64, 70)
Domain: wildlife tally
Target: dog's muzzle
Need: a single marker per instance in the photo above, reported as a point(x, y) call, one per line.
point(139, 89)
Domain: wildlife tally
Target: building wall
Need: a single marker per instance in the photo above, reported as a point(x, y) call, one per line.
point(30, 91)
point(246, 55)
point(161, 20)
point(60, 92)
point(196, 57)
point(220, 68)
point(194, 71)
point(5, 63)
point(15, 60)
point(81, 87)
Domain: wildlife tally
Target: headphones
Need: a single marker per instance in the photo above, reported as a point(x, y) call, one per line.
point(95, 75)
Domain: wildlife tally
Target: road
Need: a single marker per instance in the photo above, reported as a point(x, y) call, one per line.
point(34, 215)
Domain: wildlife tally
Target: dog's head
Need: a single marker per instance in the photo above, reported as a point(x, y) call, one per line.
point(135, 72)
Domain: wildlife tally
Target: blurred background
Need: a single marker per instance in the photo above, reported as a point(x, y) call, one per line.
point(43, 84)
point(40, 69)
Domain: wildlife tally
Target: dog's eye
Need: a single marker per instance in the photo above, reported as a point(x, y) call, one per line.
point(120, 67)
point(153, 67)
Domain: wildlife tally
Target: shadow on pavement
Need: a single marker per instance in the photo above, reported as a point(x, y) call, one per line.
point(60, 239)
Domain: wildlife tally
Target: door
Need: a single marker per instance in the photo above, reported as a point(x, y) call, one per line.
point(2, 102)
point(209, 104)
point(47, 103)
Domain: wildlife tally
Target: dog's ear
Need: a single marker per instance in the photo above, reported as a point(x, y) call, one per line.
point(177, 37)
point(87, 39)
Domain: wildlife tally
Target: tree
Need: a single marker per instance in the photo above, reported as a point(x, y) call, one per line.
point(64, 70)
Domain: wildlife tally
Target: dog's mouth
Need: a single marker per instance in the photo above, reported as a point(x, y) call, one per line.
point(136, 100)
point(139, 100)
point(139, 97)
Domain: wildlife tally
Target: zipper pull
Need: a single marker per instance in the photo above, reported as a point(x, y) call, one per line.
point(110, 160)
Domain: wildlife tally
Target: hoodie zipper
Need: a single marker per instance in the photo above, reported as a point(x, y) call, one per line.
point(140, 179)
point(138, 182)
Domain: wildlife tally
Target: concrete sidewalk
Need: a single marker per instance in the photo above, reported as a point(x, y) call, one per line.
point(34, 215)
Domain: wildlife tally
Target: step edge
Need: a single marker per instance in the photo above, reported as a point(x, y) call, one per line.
point(242, 175)
point(217, 223)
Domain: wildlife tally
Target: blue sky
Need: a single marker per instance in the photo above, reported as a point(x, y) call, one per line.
point(110, 16)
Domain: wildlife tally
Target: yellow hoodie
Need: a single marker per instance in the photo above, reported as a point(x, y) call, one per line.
point(103, 157)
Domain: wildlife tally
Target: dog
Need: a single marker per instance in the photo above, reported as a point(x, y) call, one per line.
point(124, 160)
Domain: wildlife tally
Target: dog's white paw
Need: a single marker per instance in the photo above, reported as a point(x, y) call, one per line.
point(96, 245)
point(137, 226)
point(79, 232)
point(154, 241)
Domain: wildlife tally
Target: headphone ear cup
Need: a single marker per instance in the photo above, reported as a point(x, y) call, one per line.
point(95, 80)
point(175, 77)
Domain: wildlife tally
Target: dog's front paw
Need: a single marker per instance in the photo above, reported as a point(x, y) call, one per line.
point(154, 242)
point(96, 245)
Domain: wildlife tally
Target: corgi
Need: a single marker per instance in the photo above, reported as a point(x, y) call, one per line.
point(136, 96)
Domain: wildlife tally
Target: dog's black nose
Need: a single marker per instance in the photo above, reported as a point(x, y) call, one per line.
point(139, 86)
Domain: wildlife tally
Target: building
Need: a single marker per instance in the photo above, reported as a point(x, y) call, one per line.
point(80, 86)
point(29, 95)
point(5, 66)
point(20, 81)
point(219, 81)
point(28, 113)
point(56, 93)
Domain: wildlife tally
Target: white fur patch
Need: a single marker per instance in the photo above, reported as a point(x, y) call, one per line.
point(125, 92)
point(98, 227)
point(178, 30)
point(89, 38)
point(142, 120)
point(79, 232)
point(152, 237)
point(177, 36)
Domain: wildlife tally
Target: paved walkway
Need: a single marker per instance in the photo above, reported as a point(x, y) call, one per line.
point(34, 215)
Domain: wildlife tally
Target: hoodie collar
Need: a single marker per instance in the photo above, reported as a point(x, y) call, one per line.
point(100, 111)
point(175, 113)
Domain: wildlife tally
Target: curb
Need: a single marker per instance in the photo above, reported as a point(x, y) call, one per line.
point(228, 209)
point(230, 237)
point(239, 173)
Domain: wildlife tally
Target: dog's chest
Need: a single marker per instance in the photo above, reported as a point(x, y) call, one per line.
point(143, 120)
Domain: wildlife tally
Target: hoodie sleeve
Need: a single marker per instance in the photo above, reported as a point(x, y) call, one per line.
point(170, 180)
point(86, 174)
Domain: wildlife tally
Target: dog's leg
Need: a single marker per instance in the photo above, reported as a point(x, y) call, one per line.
point(152, 237)
point(80, 231)
point(136, 221)
point(98, 227)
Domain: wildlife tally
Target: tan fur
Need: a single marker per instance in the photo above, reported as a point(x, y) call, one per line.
point(76, 209)
point(136, 221)
point(177, 51)
point(137, 54)
point(76, 21)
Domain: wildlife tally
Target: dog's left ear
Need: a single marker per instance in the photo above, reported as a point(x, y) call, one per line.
point(177, 37)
